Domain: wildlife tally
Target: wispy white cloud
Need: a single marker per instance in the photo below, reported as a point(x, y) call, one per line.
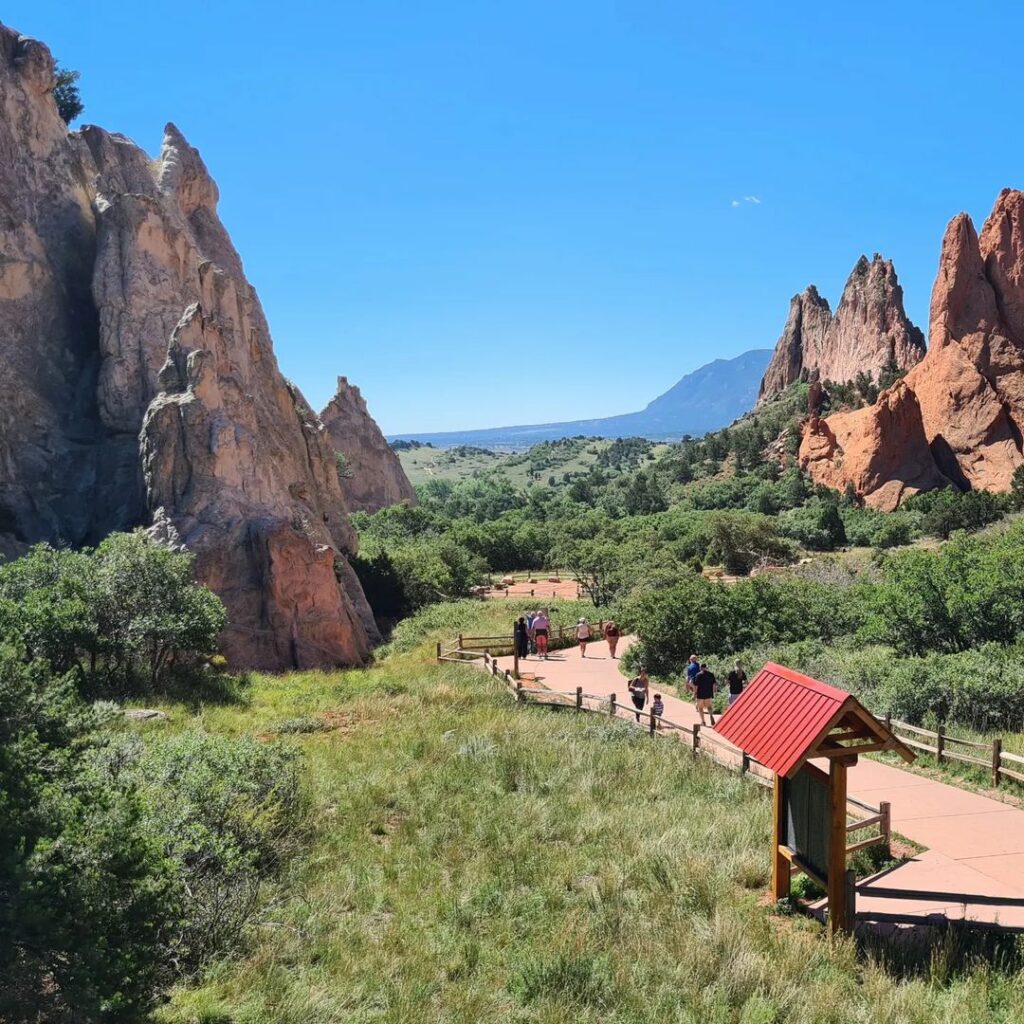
point(753, 200)
point(735, 202)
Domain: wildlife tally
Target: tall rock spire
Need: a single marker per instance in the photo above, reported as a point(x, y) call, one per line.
point(869, 331)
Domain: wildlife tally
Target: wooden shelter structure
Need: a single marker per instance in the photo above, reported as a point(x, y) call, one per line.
point(786, 721)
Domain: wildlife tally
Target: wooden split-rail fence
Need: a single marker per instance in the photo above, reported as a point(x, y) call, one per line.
point(944, 748)
point(468, 650)
point(942, 745)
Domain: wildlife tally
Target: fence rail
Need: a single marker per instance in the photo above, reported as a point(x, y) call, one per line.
point(701, 743)
point(939, 747)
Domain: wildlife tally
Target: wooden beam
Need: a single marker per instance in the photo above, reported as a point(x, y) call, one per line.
point(837, 922)
point(780, 865)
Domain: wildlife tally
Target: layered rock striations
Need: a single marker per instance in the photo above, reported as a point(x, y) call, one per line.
point(869, 331)
point(969, 389)
point(372, 476)
point(138, 384)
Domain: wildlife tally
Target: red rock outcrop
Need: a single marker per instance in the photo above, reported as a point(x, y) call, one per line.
point(869, 331)
point(799, 347)
point(373, 476)
point(969, 388)
point(138, 384)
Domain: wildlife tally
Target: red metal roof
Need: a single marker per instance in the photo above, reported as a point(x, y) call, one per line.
point(779, 715)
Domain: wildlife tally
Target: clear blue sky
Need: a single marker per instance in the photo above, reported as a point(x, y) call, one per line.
point(434, 198)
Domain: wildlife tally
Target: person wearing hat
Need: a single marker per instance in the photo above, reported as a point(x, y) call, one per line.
point(583, 635)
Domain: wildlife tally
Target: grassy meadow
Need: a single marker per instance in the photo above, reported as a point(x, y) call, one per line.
point(468, 860)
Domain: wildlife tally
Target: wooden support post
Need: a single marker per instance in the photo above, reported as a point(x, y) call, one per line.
point(781, 871)
point(654, 721)
point(531, 591)
point(515, 662)
point(696, 737)
point(520, 698)
point(850, 899)
point(885, 825)
point(836, 874)
point(888, 721)
point(611, 705)
point(439, 652)
point(997, 759)
point(940, 744)
point(744, 763)
point(579, 698)
point(494, 667)
point(460, 641)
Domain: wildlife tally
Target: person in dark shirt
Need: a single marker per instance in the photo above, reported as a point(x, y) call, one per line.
point(737, 680)
point(638, 690)
point(704, 690)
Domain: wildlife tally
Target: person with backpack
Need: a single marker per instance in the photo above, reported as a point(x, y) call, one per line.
point(541, 626)
point(737, 679)
point(531, 637)
point(638, 690)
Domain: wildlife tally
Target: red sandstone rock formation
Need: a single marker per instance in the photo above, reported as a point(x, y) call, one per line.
point(374, 477)
point(969, 388)
point(138, 384)
point(870, 330)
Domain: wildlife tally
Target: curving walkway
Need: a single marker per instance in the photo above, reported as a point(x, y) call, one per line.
point(975, 845)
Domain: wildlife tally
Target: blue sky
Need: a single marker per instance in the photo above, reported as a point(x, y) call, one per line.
point(485, 213)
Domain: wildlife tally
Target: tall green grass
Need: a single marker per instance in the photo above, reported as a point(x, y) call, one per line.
point(475, 861)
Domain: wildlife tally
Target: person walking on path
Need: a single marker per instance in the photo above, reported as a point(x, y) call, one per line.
point(704, 690)
point(583, 636)
point(658, 708)
point(638, 689)
point(692, 668)
point(521, 637)
point(541, 625)
point(530, 635)
point(611, 634)
point(737, 680)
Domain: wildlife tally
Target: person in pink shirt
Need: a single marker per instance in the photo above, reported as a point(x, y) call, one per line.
point(541, 627)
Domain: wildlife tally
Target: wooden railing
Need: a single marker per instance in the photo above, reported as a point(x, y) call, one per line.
point(944, 747)
point(700, 742)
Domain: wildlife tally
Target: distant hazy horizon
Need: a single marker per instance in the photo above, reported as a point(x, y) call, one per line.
point(533, 212)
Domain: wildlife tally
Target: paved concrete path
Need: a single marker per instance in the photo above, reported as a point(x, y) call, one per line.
point(975, 845)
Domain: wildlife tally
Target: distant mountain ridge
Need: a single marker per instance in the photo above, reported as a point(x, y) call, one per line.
point(709, 398)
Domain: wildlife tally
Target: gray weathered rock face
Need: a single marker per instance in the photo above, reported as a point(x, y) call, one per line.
point(374, 477)
point(138, 384)
point(869, 331)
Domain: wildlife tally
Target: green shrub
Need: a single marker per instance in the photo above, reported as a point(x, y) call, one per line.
point(87, 901)
point(228, 812)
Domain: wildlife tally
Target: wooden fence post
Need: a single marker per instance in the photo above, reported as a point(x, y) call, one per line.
point(888, 720)
point(460, 641)
point(520, 698)
point(611, 705)
point(654, 721)
point(579, 698)
point(515, 662)
point(885, 825)
point(696, 737)
point(940, 743)
point(439, 652)
point(744, 763)
point(997, 759)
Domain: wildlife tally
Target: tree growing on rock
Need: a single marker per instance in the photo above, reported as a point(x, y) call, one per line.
point(66, 94)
